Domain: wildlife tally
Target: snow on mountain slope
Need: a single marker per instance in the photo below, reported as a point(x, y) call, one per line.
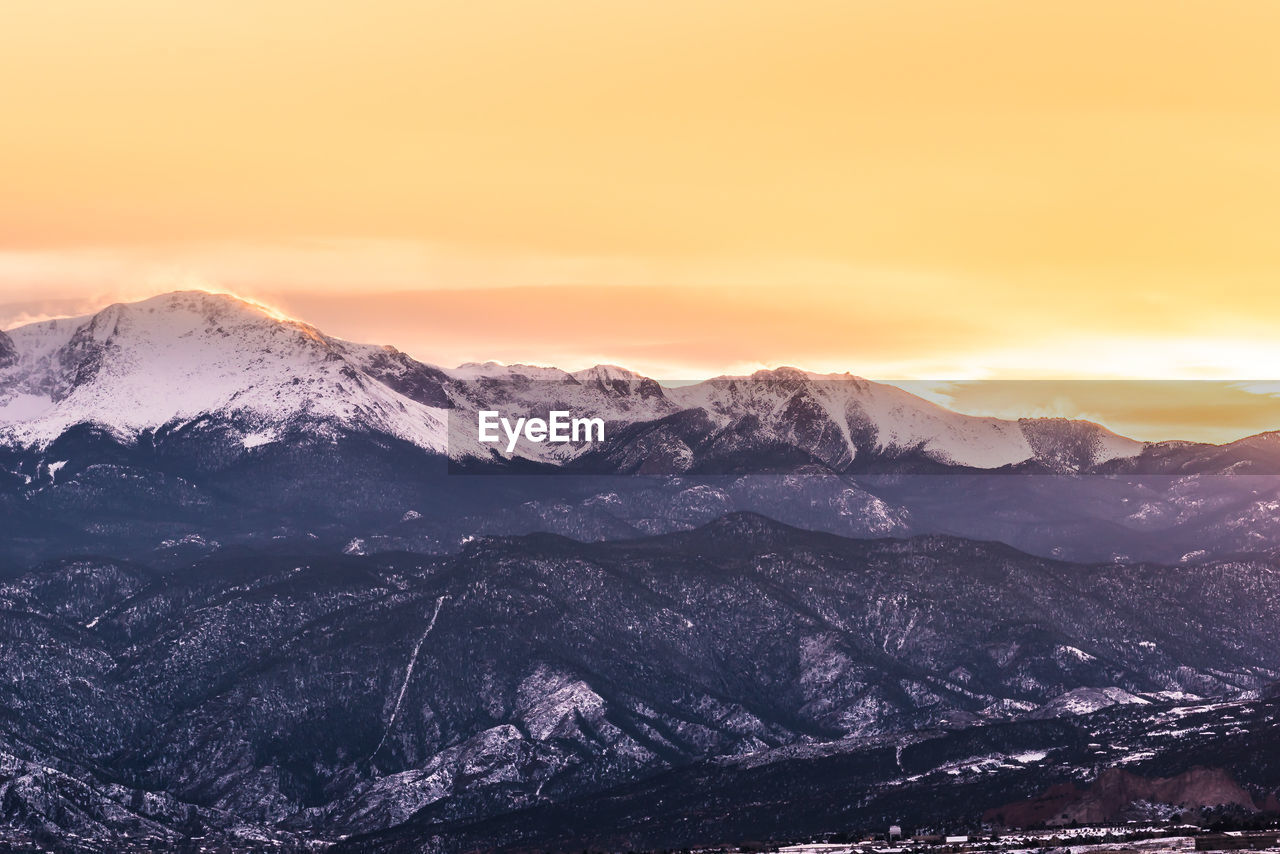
point(508, 373)
point(610, 374)
point(1085, 701)
point(897, 421)
point(180, 356)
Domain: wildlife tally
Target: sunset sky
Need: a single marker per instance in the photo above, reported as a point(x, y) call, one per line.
point(904, 190)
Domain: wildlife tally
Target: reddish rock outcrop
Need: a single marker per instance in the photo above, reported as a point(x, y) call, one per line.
point(1116, 791)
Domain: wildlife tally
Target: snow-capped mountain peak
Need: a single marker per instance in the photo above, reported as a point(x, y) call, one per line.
point(607, 374)
point(498, 371)
point(180, 356)
point(184, 356)
point(885, 420)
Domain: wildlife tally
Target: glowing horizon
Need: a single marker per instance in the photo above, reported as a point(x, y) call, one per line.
point(926, 191)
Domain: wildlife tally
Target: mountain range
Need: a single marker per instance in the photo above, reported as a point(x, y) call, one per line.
point(158, 364)
point(263, 589)
point(163, 363)
point(401, 702)
point(194, 418)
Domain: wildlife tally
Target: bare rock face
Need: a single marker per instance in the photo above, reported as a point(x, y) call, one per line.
point(1116, 793)
point(8, 352)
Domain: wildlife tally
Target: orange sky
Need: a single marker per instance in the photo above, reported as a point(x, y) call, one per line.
point(987, 188)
